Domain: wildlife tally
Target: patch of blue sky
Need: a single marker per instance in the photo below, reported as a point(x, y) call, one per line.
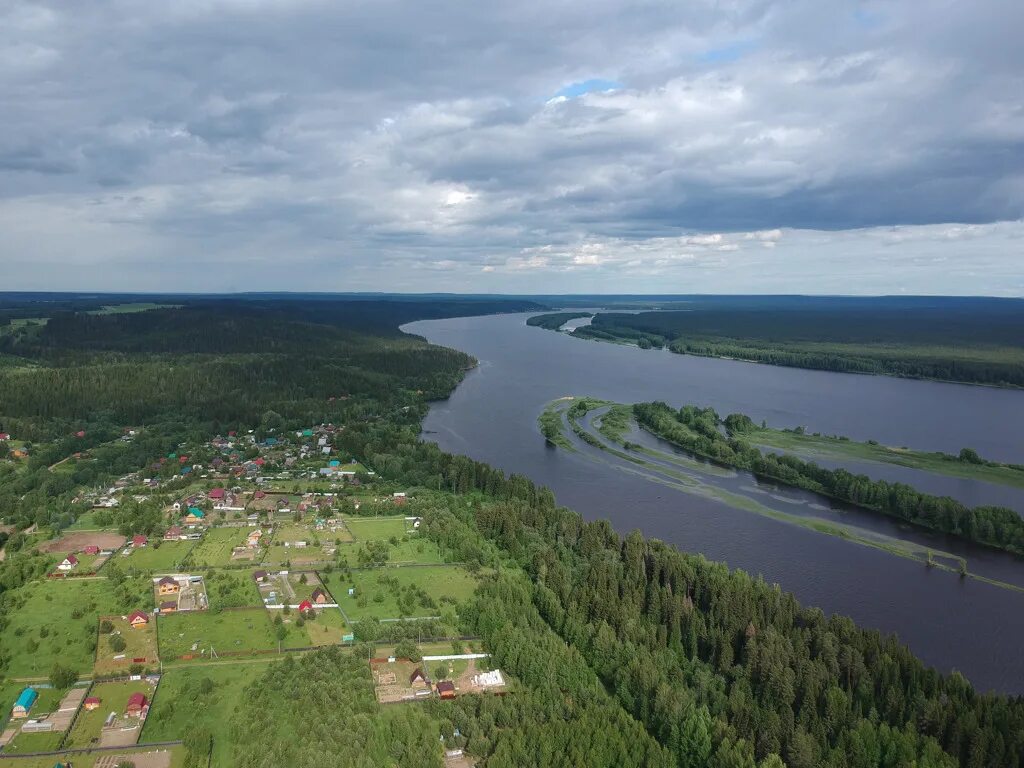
point(572, 90)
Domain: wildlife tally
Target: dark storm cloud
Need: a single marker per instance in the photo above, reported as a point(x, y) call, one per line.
point(488, 145)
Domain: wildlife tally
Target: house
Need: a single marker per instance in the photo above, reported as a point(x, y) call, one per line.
point(68, 563)
point(173, 533)
point(92, 549)
point(319, 596)
point(138, 619)
point(259, 495)
point(260, 576)
point(137, 705)
point(417, 676)
point(446, 689)
point(24, 702)
point(138, 540)
point(4, 436)
point(216, 493)
point(168, 606)
point(167, 586)
point(305, 606)
point(80, 433)
point(195, 515)
point(91, 703)
point(254, 539)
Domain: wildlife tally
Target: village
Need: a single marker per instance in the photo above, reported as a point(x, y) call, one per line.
point(260, 548)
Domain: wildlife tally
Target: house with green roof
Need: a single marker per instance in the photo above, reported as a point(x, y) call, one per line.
point(24, 703)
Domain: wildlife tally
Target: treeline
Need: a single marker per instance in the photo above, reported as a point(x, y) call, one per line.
point(555, 320)
point(722, 669)
point(700, 430)
point(915, 342)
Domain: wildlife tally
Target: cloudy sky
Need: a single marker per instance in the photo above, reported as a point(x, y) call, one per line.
point(828, 146)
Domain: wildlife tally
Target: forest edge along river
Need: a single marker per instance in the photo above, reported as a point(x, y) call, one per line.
point(967, 624)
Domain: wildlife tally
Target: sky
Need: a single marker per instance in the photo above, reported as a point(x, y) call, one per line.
point(705, 146)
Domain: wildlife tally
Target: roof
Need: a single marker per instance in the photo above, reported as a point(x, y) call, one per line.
point(134, 615)
point(138, 538)
point(136, 700)
point(27, 698)
point(168, 580)
point(216, 493)
point(305, 605)
point(196, 512)
point(318, 593)
point(71, 559)
point(446, 686)
point(93, 700)
point(417, 674)
point(259, 574)
point(166, 604)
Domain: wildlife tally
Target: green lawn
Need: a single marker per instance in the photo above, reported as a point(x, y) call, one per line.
point(197, 632)
point(182, 704)
point(114, 698)
point(52, 621)
point(34, 742)
point(168, 556)
point(87, 521)
point(370, 528)
point(327, 627)
point(378, 592)
point(216, 545)
point(86, 564)
point(89, 759)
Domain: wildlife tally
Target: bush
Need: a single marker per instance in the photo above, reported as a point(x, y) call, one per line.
point(117, 643)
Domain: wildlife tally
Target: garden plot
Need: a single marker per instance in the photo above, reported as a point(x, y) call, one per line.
point(292, 588)
point(299, 545)
point(399, 680)
point(219, 545)
point(56, 620)
point(117, 720)
point(158, 556)
point(213, 634)
point(394, 593)
point(122, 645)
point(105, 541)
point(179, 592)
point(83, 565)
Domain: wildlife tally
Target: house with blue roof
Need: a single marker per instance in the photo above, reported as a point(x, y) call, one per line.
point(24, 703)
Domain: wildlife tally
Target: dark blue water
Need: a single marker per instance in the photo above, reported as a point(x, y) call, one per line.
point(948, 622)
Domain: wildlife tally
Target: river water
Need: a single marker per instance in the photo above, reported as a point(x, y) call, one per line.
point(950, 623)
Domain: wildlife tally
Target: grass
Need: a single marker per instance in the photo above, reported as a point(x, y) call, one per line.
point(150, 559)
point(114, 698)
point(552, 424)
point(411, 550)
point(51, 621)
point(124, 309)
point(429, 591)
point(192, 697)
point(86, 564)
point(87, 522)
point(327, 628)
point(216, 545)
point(140, 643)
point(197, 632)
point(34, 742)
point(376, 528)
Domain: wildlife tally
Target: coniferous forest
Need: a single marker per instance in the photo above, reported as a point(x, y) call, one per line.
point(625, 651)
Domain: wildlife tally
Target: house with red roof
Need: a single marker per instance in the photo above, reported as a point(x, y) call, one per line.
point(92, 702)
point(137, 705)
point(173, 533)
point(68, 563)
point(138, 619)
point(92, 549)
point(138, 540)
point(216, 493)
point(305, 606)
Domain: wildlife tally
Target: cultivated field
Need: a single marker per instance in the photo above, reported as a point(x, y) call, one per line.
point(79, 540)
point(216, 545)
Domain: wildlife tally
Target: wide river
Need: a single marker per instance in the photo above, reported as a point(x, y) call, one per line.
point(950, 623)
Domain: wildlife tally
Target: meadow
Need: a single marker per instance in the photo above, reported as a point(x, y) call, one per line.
point(216, 545)
point(168, 556)
point(203, 634)
point(392, 593)
point(55, 621)
point(140, 643)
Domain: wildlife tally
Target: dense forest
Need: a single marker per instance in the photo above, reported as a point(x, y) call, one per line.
point(625, 651)
point(554, 320)
point(979, 341)
point(700, 430)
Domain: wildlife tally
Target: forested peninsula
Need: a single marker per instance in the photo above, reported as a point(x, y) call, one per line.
point(977, 341)
point(621, 651)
